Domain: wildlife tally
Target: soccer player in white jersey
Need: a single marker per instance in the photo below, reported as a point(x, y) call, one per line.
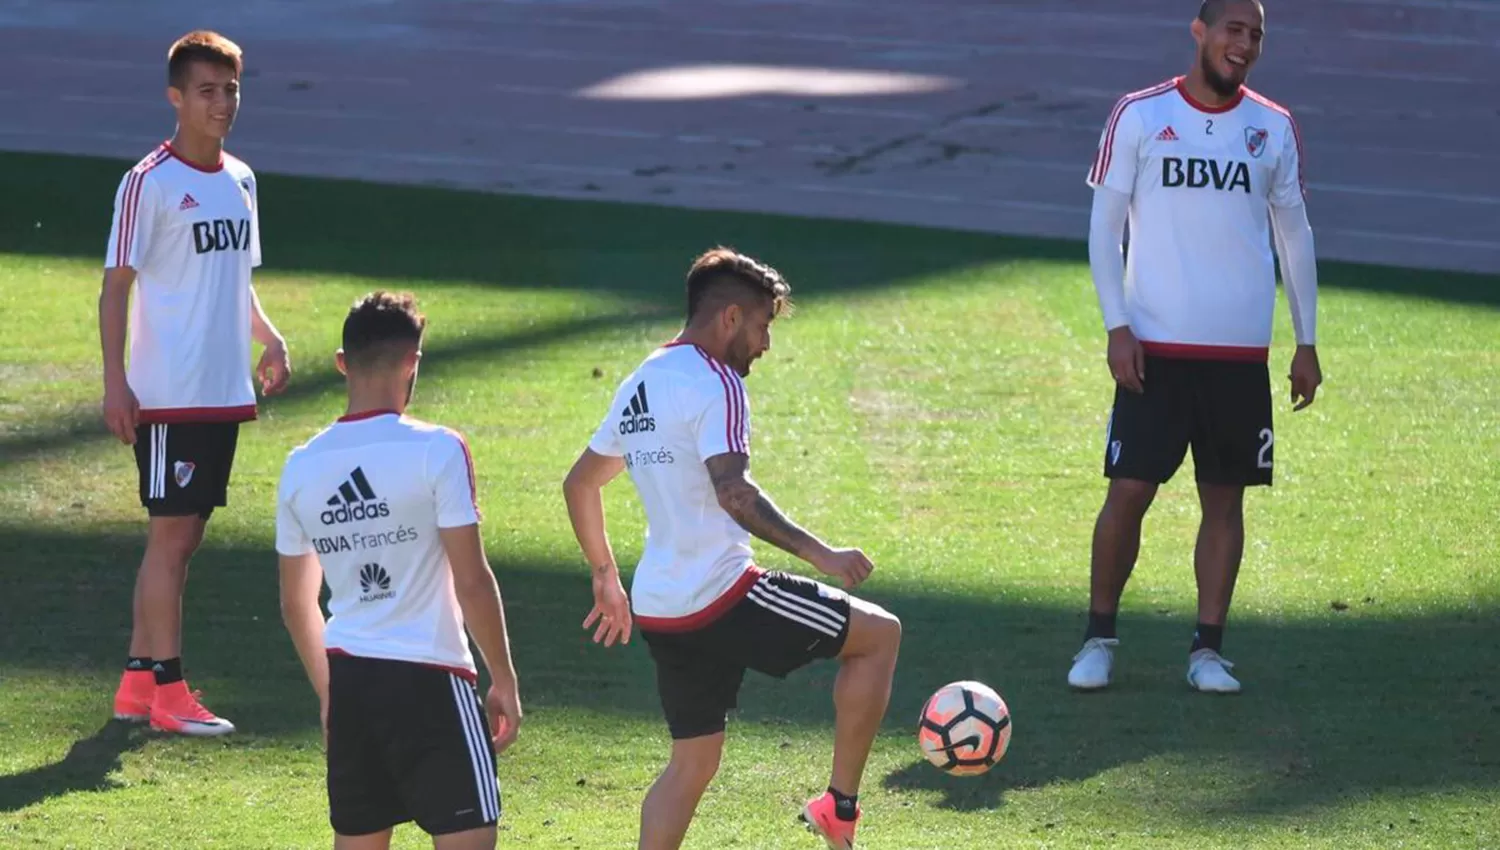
point(680, 424)
point(1205, 171)
point(383, 506)
point(185, 237)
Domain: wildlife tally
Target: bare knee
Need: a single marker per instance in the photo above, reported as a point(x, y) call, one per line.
point(174, 539)
point(873, 631)
point(1221, 502)
point(1129, 497)
point(695, 762)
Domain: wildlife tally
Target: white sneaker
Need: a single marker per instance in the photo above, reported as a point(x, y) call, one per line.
point(1092, 664)
point(1209, 673)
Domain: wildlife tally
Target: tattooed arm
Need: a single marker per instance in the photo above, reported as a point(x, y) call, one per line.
point(743, 500)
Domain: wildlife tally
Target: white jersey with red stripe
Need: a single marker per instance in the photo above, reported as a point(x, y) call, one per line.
point(368, 495)
point(679, 408)
point(192, 235)
point(1200, 276)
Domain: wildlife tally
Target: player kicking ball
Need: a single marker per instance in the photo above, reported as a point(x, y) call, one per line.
point(185, 237)
point(680, 424)
point(1206, 171)
point(383, 507)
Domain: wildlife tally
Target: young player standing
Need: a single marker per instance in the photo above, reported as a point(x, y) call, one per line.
point(1205, 170)
point(383, 506)
point(681, 425)
point(185, 236)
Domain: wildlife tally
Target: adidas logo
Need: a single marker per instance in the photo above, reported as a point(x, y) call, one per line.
point(354, 502)
point(373, 577)
point(1167, 135)
point(187, 203)
point(636, 418)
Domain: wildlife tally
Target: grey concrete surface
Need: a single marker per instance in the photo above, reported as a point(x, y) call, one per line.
point(1397, 101)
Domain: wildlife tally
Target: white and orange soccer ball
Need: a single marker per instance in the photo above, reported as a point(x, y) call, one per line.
point(965, 728)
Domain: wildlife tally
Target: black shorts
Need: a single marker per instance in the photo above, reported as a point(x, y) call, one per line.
point(407, 742)
point(1220, 408)
point(784, 622)
point(184, 468)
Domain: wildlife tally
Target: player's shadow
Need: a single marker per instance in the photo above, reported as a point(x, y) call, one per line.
point(87, 766)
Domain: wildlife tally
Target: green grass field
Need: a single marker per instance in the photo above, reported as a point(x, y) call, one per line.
point(939, 399)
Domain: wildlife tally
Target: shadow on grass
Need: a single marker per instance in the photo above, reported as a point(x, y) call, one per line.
point(424, 233)
point(70, 429)
point(86, 767)
point(1357, 704)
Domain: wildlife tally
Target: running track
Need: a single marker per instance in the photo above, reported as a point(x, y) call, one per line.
point(1396, 101)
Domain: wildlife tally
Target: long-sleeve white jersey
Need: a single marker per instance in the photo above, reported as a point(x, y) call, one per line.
point(1203, 184)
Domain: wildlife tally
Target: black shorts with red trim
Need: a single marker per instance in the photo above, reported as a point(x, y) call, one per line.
point(781, 623)
point(1220, 408)
point(407, 742)
point(184, 467)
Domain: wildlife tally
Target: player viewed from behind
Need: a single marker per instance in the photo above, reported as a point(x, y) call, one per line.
point(185, 236)
point(681, 425)
point(1205, 170)
point(383, 507)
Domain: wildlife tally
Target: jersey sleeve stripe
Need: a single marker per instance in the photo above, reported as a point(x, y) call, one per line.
point(468, 466)
point(739, 399)
point(131, 201)
point(128, 204)
point(734, 406)
point(1107, 149)
point(1296, 133)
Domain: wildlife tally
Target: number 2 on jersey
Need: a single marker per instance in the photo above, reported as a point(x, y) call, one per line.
point(1209, 127)
point(1262, 457)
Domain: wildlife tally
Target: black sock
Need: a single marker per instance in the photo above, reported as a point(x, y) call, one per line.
point(844, 808)
point(135, 663)
point(1100, 625)
point(168, 670)
point(1208, 637)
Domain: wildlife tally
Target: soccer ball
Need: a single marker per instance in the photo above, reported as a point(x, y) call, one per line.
point(965, 728)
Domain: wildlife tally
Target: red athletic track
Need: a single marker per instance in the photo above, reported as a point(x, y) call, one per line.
point(1396, 99)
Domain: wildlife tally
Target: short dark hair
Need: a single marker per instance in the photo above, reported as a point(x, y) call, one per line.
point(202, 46)
point(381, 328)
point(722, 274)
point(1210, 10)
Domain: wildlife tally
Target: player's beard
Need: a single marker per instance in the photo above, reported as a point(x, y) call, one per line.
point(739, 356)
point(1221, 85)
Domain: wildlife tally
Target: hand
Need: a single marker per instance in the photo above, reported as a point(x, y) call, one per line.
point(274, 369)
point(1305, 376)
point(611, 608)
point(1127, 359)
point(122, 412)
point(503, 705)
point(850, 566)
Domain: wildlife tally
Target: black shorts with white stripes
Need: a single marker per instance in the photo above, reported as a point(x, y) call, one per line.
point(406, 742)
point(184, 467)
point(785, 622)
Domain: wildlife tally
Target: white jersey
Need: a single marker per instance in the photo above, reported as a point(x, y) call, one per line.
point(192, 236)
point(368, 495)
point(1200, 276)
point(679, 408)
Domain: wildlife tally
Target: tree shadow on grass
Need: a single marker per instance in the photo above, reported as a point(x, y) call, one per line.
point(1355, 704)
point(401, 232)
point(68, 430)
point(86, 767)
